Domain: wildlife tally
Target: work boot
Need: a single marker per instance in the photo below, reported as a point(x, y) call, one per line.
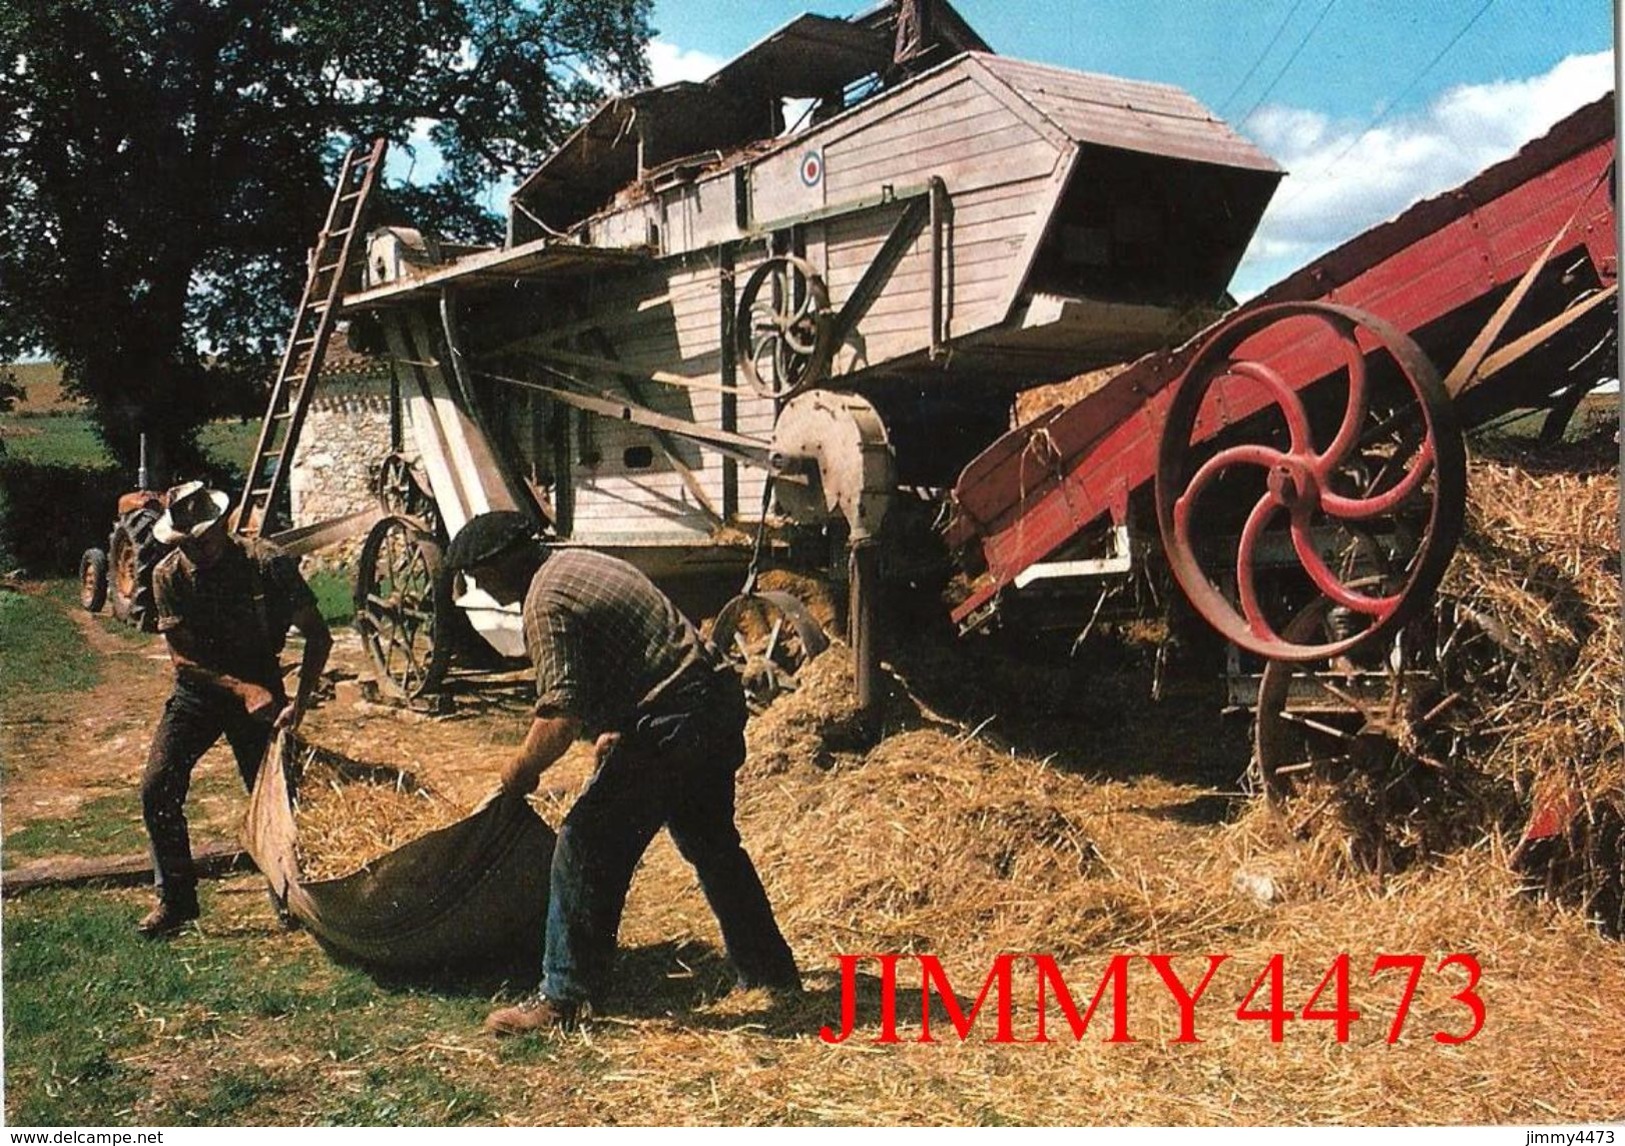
point(537, 1013)
point(781, 976)
point(167, 918)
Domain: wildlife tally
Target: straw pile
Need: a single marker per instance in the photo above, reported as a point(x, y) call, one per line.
point(1535, 727)
point(934, 841)
point(817, 723)
point(816, 593)
point(942, 832)
point(349, 814)
point(1544, 560)
point(1033, 402)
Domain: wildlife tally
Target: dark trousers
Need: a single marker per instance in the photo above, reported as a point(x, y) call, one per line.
point(192, 721)
point(675, 772)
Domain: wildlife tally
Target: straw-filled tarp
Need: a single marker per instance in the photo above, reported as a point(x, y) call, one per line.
point(470, 894)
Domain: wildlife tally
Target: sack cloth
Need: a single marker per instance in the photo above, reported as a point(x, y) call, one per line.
point(468, 895)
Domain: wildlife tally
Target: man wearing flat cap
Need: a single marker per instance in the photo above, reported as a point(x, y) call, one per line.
point(224, 605)
point(617, 662)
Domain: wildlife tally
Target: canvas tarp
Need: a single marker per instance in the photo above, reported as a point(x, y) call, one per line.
point(467, 895)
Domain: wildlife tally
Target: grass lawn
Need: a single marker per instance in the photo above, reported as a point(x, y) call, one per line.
point(44, 650)
point(211, 1029)
point(58, 439)
point(230, 442)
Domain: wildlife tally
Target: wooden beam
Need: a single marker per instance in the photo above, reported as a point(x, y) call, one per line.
point(309, 538)
point(625, 370)
point(211, 859)
point(868, 288)
point(1551, 328)
point(751, 451)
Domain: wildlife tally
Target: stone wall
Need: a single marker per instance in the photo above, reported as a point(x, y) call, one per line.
point(345, 435)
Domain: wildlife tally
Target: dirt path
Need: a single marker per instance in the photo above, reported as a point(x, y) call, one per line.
point(64, 750)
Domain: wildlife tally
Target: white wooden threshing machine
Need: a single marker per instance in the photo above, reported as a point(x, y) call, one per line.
point(705, 315)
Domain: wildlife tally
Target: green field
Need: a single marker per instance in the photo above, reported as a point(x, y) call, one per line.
point(70, 439)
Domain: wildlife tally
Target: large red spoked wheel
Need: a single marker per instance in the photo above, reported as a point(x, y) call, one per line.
point(1272, 492)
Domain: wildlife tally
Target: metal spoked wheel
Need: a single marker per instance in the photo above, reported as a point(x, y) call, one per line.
point(1383, 711)
point(404, 608)
point(401, 493)
point(784, 332)
point(768, 637)
point(1351, 490)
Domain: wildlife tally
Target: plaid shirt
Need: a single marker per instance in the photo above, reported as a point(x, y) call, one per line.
point(237, 611)
point(605, 642)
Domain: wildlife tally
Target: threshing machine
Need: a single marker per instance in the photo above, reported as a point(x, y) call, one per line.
point(790, 306)
point(708, 313)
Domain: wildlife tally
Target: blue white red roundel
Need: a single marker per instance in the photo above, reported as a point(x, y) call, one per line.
point(812, 168)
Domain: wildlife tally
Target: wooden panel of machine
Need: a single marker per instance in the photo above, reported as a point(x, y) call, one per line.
point(633, 483)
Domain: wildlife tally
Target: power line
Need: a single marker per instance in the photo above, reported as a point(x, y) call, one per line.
point(1262, 56)
point(1289, 61)
point(1396, 101)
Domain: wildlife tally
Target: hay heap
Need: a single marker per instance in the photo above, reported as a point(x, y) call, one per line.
point(349, 814)
point(929, 834)
point(935, 837)
point(1542, 558)
point(819, 722)
point(1534, 740)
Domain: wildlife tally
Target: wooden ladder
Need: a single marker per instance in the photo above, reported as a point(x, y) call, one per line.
point(312, 327)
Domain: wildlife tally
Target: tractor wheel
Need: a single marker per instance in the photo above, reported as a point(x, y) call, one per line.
point(132, 554)
point(93, 580)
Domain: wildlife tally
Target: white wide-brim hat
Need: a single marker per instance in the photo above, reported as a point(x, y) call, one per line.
point(193, 508)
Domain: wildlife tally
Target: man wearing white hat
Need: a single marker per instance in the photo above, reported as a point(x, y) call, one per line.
point(224, 605)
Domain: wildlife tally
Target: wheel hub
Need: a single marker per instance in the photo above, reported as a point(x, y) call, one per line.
point(1294, 485)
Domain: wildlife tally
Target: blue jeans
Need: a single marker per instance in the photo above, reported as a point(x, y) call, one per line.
point(675, 771)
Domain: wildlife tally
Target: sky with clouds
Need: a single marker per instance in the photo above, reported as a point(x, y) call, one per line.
point(1368, 104)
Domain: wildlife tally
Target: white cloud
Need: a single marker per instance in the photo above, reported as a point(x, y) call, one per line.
point(669, 63)
point(1342, 182)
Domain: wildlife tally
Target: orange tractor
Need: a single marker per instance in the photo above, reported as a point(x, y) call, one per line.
point(121, 574)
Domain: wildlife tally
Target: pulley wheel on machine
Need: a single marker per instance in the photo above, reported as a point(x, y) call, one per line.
point(404, 609)
point(768, 637)
point(784, 330)
point(1273, 491)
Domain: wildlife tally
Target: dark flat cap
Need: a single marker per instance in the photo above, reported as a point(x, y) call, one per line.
point(487, 536)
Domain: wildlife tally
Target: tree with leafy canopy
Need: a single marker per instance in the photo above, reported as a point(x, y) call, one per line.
point(165, 164)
